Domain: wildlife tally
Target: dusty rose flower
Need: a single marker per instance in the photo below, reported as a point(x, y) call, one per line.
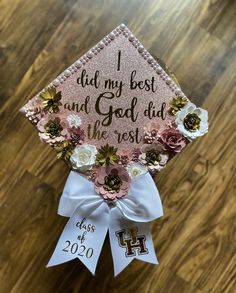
point(51, 129)
point(151, 134)
point(112, 182)
point(172, 139)
point(125, 157)
point(76, 135)
point(135, 154)
point(153, 157)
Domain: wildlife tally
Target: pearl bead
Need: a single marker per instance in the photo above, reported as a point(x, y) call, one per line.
point(122, 26)
point(101, 45)
point(78, 64)
point(67, 73)
point(56, 82)
point(90, 55)
point(168, 80)
point(140, 49)
point(112, 36)
point(131, 38)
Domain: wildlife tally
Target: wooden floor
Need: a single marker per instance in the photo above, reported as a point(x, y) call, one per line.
point(196, 239)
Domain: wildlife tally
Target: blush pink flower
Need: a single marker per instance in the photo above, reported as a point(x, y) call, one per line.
point(51, 129)
point(112, 182)
point(151, 132)
point(153, 157)
point(172, 139)
point(33, 110)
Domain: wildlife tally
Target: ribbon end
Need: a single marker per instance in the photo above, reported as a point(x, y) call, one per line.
point(56, 260)
point(90, 266)
point(118, 268)
point(150, 258)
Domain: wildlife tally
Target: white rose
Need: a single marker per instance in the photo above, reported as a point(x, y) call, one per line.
point(190, 108)
point(74, 120)
point(135, 169)
point(83, 157)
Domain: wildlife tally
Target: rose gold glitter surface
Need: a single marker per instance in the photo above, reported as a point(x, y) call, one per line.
point(105, 63)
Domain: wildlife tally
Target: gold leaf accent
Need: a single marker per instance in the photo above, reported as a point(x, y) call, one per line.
point(177, 104)
point(64, 150)
point(51, 100)
point(192, 122)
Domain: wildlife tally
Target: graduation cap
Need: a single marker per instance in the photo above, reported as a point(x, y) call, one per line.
point(117, 103)
point(114, 115)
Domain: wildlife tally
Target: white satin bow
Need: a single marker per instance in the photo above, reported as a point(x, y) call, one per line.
point(82, 204)
point(142, 204)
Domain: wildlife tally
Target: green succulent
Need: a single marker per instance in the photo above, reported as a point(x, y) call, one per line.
point(107, 156)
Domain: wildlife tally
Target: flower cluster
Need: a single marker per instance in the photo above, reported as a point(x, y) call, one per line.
point(111, 169)
point(163, 143)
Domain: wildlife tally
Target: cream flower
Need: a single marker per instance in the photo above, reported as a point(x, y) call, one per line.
point(192, 121)
point(83, 157)
point(74, 120)
point(135, 169)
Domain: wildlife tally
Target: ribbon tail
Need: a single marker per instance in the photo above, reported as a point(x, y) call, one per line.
point(129, 240)
point(82, 238)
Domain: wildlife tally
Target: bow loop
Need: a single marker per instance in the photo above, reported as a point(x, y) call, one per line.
point(78, 192)
point(143, 203)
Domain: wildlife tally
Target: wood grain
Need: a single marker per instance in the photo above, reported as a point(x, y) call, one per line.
point(195, 240)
